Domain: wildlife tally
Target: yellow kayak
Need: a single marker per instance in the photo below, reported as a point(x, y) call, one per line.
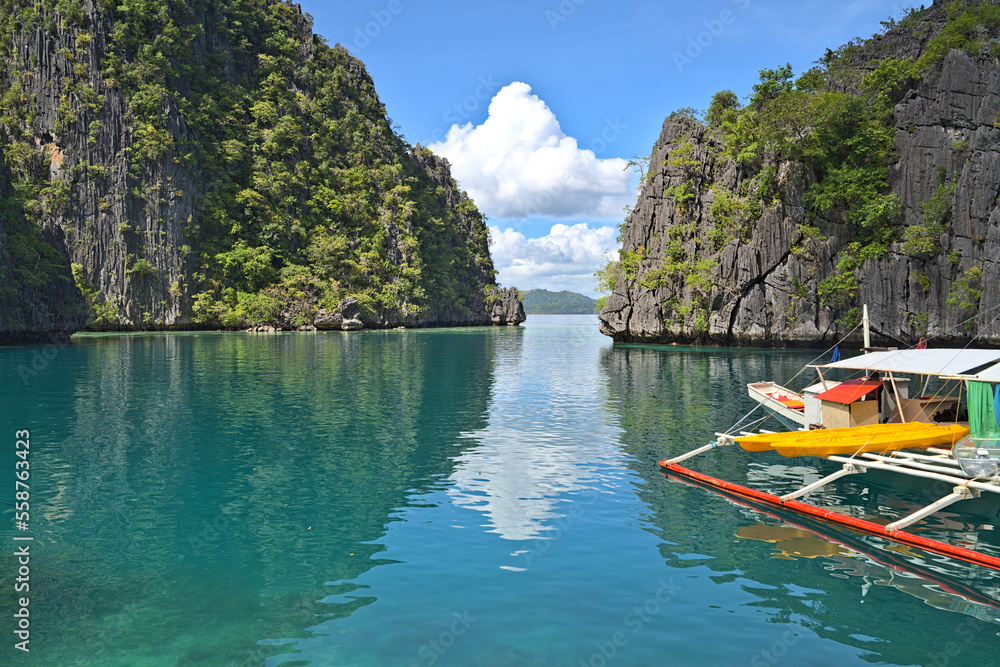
point(872, 438)
point(761, 442)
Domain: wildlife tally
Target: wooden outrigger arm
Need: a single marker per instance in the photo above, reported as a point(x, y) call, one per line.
point(960, 493)
point(853, 523)
point(914, 465)
point(848, 469)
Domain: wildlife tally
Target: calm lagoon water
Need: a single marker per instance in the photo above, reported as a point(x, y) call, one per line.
point(445, 497)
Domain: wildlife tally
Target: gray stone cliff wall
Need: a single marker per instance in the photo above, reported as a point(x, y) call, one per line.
point(114, 214)
point(761, 290)
point(37, 303)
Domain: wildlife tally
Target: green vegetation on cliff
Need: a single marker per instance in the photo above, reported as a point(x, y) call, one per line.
point(303, 193)
point(33, 275)
point(824, 140)
point(870, 178)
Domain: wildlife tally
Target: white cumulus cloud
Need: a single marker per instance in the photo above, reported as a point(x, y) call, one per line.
point(520, 163)
point(565, 259)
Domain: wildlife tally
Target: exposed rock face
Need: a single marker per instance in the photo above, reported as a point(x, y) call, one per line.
point(350, 313)
point(762, 289)
point(38, 300)
point(749, 276)
point(326, 321)
point(508, 309)
point(111, 217)
point(349, 308)
point(132, 213)
point(951, 125)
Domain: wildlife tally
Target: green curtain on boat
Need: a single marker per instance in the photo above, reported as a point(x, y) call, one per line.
point(982, 411)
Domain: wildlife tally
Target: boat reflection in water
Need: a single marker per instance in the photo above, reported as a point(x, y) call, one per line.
point(883, 569)
point(894, 565)
point(792, 543)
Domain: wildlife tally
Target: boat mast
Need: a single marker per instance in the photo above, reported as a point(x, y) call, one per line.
point(864, 321)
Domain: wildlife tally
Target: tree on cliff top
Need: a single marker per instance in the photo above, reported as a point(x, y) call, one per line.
point(305, 195)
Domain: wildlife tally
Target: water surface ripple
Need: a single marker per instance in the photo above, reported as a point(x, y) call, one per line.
point(482, 496)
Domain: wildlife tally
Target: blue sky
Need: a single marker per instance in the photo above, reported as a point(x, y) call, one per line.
point(539, 104)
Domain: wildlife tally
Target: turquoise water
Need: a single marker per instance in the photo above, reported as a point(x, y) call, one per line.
point(445, 497)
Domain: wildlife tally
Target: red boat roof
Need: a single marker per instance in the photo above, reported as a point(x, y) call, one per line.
point(850, 391)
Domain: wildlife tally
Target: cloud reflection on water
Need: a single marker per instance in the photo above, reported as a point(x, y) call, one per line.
point(525, 466)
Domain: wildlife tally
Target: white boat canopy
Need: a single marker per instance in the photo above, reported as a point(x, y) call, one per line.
point(991, 374)
point(951, 362)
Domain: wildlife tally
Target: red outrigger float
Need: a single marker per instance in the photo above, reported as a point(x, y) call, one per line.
point(887, 558)
point(854, 523)
point(970, 468)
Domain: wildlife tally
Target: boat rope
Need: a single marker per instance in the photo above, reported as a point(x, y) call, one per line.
point(964, 488)
point(903, 343)
point(740, 420)
point(941, 390)
point(928, 339)
point(758, 423)
point(749, 426)
point(862, 448)
point(962, 324)
point(843, 339)
point(830, 349)
point(992, 322)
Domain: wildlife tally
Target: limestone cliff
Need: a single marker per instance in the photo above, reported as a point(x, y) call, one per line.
point(872, 179)
point(213, 163)
point(38, 300)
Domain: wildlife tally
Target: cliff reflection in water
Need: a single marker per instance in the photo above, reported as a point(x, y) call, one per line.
point(255, 475)
point(672, 400)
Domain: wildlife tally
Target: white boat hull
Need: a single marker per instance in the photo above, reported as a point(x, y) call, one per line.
point(770, 394)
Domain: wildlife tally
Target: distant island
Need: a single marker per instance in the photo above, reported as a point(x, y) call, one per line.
point(544, 302)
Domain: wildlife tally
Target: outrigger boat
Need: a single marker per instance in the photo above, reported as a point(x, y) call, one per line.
point(919, 437)
point(789, 406)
